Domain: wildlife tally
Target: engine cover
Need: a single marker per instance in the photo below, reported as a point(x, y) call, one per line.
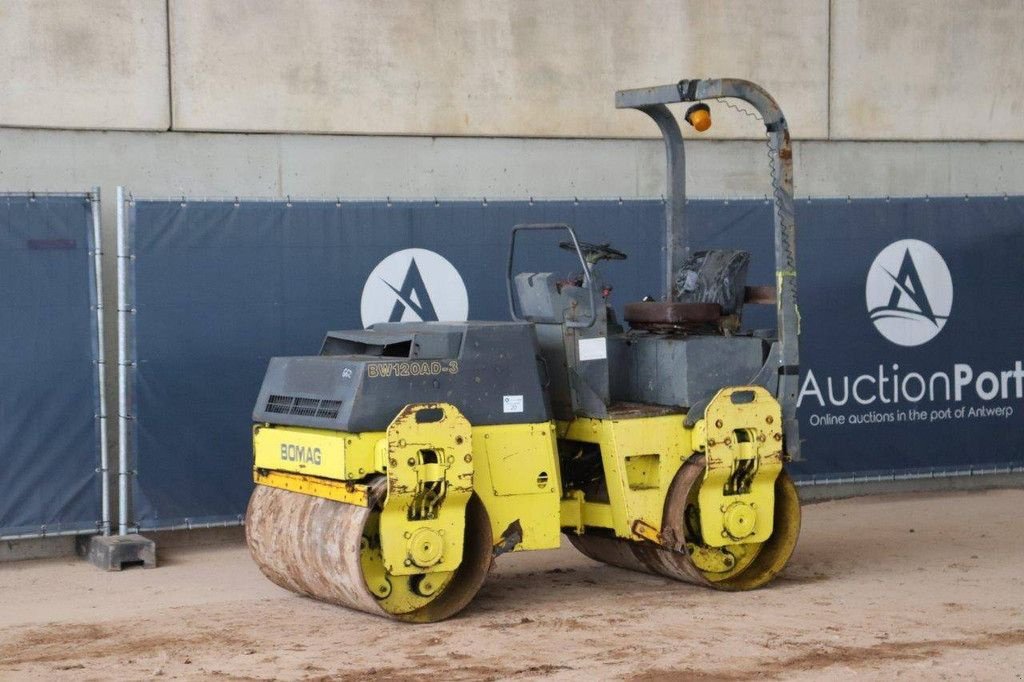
point(363, 378)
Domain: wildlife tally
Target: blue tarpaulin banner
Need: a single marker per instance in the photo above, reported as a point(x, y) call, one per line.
point(49, 395)
point(910, 344)
point(907, 313)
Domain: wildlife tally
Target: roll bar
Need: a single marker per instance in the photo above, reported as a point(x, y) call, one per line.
point(652, 101)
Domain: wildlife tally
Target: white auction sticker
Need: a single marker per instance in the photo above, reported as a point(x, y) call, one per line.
point(593, 349)
point(513, 403)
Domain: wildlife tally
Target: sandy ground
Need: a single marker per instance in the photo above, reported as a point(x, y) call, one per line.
point(921, 587)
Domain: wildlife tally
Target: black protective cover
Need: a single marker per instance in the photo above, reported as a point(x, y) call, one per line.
point(489, 370)
point(718, 276)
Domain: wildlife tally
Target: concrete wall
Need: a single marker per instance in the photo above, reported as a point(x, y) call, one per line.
point(279, 165)
point(927, 70)
point(522, 69)
point(850, 69)
point(74, 64)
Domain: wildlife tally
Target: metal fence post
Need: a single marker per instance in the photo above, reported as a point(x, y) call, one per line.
point(101, 364)
point(123, 361)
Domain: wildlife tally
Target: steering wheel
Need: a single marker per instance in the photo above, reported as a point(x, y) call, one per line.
point(592, 253)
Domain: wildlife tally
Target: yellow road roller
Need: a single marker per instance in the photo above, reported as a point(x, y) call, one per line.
point(393, 468)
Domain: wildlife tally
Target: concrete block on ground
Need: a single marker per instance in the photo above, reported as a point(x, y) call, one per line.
point(114, 552)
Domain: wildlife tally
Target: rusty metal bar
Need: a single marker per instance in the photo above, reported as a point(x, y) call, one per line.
point(676, 246)
point(760, 295)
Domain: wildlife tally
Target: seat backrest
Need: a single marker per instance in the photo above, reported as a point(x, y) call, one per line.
point(544, 298)
point(714, 276)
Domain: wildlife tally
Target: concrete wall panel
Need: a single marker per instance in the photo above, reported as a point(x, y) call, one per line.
point(529, 68)
point(928, 69)
point(74, 64)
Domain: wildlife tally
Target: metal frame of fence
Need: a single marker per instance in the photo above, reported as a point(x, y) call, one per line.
point(924, 474)
point(99, 355)
point(124, 365)
point(126, 361)
point(101, 363)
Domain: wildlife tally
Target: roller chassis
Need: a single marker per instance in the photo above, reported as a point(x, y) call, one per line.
point(393, 468)
point(434, 479)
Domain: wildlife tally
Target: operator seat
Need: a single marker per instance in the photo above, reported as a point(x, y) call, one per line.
point(710, 291)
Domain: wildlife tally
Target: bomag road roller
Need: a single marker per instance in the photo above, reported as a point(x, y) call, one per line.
point(395, 466)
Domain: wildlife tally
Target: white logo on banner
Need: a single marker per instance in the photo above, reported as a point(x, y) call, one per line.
point(414, 285)
point(909, 292)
